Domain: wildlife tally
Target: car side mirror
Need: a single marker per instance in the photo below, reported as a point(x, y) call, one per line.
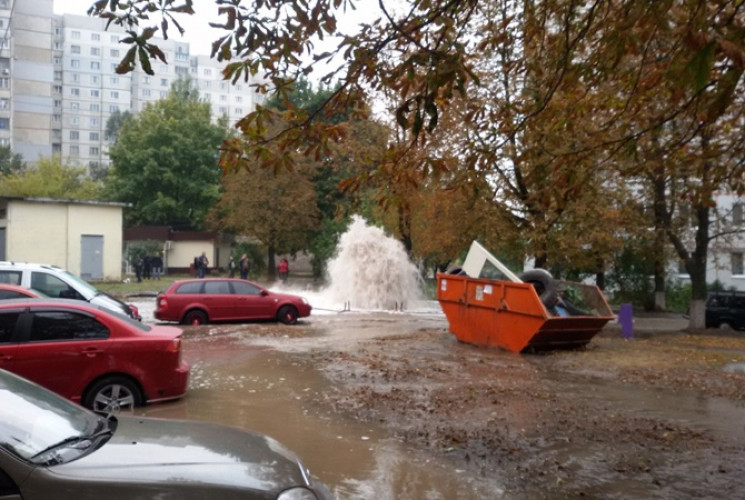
point(264, 293)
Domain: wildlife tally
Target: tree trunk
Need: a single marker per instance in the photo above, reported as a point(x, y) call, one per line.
point(271, 272)
point(660, 217)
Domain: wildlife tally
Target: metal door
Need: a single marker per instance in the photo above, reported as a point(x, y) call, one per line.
point(91, 257)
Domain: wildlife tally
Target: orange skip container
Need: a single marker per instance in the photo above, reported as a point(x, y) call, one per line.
point(510, 315)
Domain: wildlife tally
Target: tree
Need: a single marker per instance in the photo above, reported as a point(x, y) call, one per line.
point(10, 163)
point(278, 210)
point(115, 123)
point(51, 178)
point(165, 161)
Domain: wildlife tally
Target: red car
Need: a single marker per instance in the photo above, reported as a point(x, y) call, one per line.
point(101, 359)
point(200, 301)
point(18, 292)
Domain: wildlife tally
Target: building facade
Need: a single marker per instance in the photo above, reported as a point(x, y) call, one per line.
point(59, 86)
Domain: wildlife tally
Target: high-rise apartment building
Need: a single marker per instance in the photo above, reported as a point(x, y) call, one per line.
point(59, 86)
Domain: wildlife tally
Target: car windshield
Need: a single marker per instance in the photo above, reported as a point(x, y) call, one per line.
point(86, 289)
point(34, 420)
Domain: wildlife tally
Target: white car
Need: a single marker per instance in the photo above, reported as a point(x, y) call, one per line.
point(56, 282)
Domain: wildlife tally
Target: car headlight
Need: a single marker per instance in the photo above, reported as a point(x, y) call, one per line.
point(305, 301)
point(297, 494)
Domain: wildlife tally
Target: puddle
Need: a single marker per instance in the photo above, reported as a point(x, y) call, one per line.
point(253, 387)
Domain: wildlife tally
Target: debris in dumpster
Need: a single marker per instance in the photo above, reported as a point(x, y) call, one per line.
point(522, 313)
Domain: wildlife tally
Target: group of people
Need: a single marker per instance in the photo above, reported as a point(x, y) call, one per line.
point(148, 267)
point(243, 267)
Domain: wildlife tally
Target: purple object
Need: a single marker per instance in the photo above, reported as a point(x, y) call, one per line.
point(626, 318)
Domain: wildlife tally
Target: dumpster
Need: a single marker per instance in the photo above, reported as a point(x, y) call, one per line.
point(508, 313)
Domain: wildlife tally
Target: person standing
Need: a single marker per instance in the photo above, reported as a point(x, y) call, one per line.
point(232, 267)
point(138, 269)
point(203, 264)
point(245, 266)
point(284, 269)
point(157, 263)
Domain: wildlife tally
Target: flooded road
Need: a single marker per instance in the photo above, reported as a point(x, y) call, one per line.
point(443, 420)
point(248, 376)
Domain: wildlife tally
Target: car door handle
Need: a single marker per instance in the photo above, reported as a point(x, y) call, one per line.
point(92, 351)
point(4, 357)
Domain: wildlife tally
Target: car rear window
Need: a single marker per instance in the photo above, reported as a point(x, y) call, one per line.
point(65, 325)
point(10, 277)
point(8, 322)
point(216, 287)
point(193, 287)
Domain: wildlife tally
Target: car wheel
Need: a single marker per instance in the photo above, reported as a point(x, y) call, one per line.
point(287, 315)
point(113, 394)
point(544, 285)
point(725, 326)
point(195, 318)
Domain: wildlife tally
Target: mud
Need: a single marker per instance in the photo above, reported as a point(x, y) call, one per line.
point(658, 416)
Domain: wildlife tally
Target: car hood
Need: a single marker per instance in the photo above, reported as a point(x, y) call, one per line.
point(105, 300)
point(153, 451)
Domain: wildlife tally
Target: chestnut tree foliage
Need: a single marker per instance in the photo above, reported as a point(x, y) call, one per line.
point(555, 113)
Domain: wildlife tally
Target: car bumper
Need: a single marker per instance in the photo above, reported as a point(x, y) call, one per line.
point(174, 388)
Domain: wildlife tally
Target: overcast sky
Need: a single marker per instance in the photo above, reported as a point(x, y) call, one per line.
point(198, 33)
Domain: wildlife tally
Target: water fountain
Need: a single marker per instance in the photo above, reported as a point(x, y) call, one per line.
point(372, 270)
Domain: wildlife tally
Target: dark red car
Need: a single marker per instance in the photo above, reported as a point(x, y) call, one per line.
point(101, 359)
point(200, 301)
point(18, 292)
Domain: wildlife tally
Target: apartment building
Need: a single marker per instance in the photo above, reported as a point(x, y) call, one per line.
point(59, 86)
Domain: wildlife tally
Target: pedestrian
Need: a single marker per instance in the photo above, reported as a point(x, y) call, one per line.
point(157, 264)
point(284, 269)
point(138, 269)
point(232, 266)
point(203, 264)
point(245, 266)
point(147, 266)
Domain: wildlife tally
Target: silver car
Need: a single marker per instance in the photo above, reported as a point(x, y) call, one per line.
point(53, 448)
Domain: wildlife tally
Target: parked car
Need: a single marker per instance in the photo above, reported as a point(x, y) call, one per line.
point(101, 359)
point(52, 448)
point(56, 282)
point(200, 301)
point(725, 310)
point(18, 292)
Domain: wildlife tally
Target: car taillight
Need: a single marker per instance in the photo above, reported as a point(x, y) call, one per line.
point(174, 346)
point(162, 302)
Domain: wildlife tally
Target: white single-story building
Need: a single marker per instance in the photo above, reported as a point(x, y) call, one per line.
point(84, 237)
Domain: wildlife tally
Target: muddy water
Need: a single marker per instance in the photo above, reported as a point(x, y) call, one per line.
point(246, 376)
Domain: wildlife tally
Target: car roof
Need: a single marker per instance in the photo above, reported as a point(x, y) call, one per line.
point(29, 265)
point(21, 289)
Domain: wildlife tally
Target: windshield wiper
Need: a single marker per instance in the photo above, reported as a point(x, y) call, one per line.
point(71, 441)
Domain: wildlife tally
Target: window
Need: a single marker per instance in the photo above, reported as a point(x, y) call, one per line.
point(114, 38)
point(145, 92)
point(75, 121)
point(182, 70)
point(56, 147)
point(95, 65)
point(95, 122)
point(74, 106)
point(114, 94)
point(113, 108)
point(75, 35)
point(95, 37)
point(5, 103)
point(95, 93)
point(8, 322)
point(53, 286)
point(193, 287)
point(95, 107)
point(737, 263)
point(49, 326)
point(164, 82)
point(10, 277)
point(4, 83)
point(74, 49)
point(243, 288)
point(114, 80)
point(75, 63)
point(238, 98)
point(146, 79)
point(218, 287)
point(737, 214)
point(207, 72)
point(4, 123)
point(57, 45)
point(58, 75)
point(57, 60)
point(74, 135)
point(76, 78)
point(57, 89)
point(57, 103)
point(114, 52)
point(75, 92)
point(95, 79)
point(74, 150)
point(56, 118)
point(94, 136)
point(56, 134)
point(95, 51)
point(94, 151)
point(223, 98)
point(223, 110)
point(238, 111)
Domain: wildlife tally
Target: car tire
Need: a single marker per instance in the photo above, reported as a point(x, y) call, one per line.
point(544, 284)
point(195, 317)
point(287, 315)
point(113, 394)
point(725, 325)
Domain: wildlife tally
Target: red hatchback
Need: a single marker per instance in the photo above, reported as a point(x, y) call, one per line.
point(101, 359)
point(200, 301)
